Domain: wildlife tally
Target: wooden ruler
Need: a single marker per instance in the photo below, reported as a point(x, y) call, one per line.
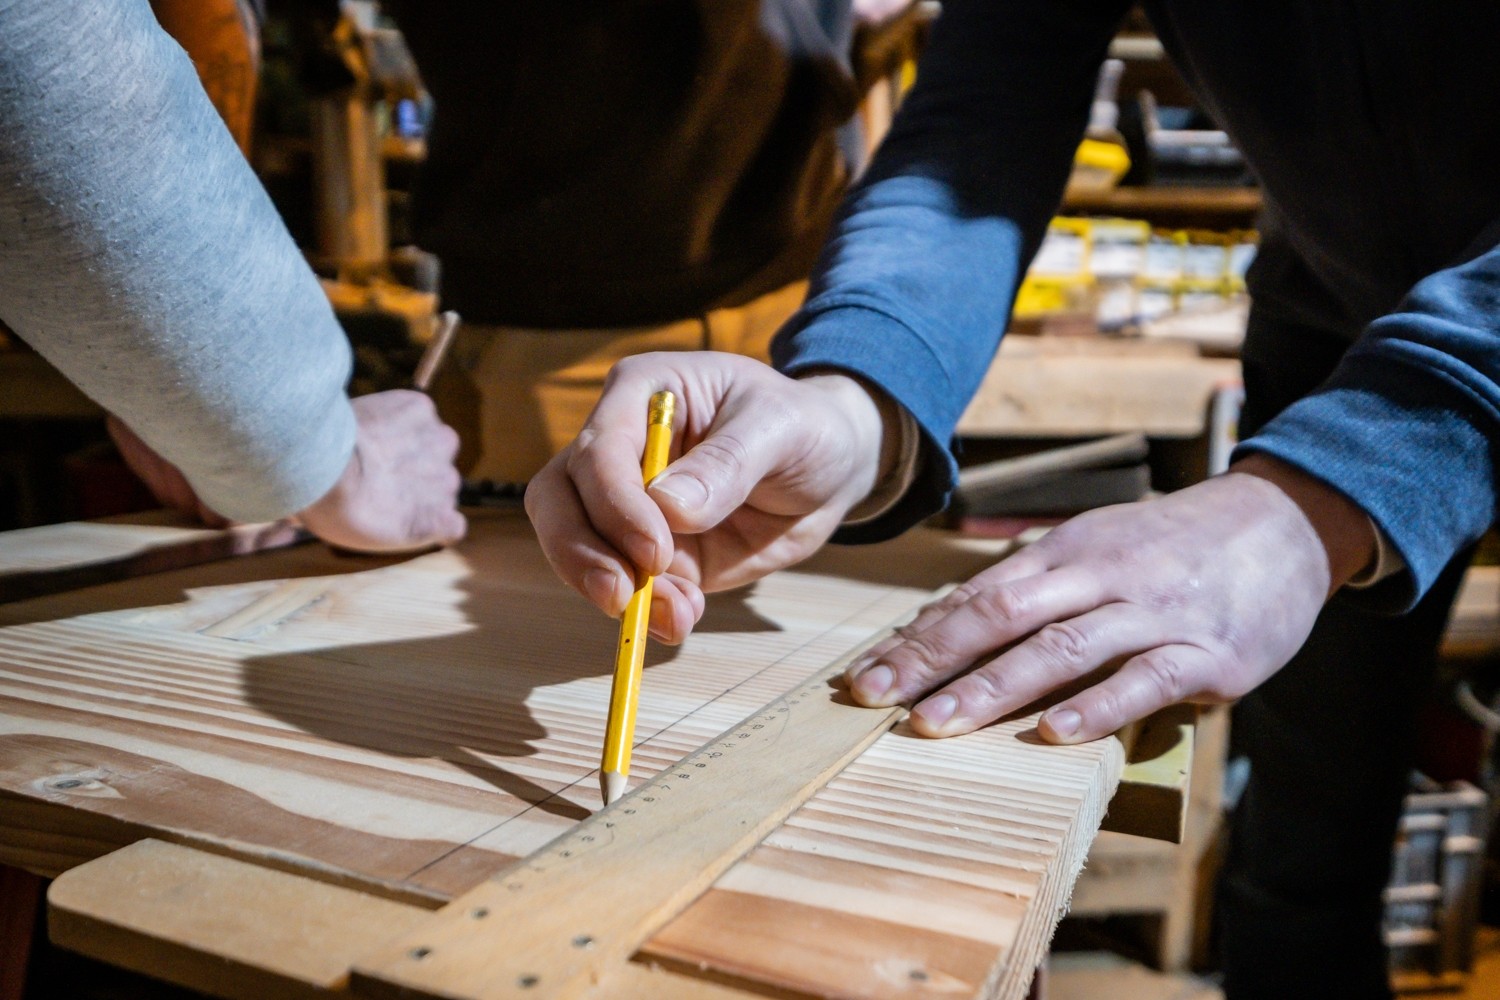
point(553, 924)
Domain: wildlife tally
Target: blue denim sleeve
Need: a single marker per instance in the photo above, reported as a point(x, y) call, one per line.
point(1408, 425)
point(915, 286)
point(140, 255)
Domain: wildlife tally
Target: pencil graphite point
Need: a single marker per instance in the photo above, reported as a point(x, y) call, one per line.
point(613, 785)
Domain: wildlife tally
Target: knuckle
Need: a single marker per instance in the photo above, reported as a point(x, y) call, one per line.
point(961, 594)
point(1166, 673)
point(1063, 642)
point(1107, 708)
point(583, 453)
point(1004, 603)
point(917, 657)
point(722, 453)
point(988, 687)
point(1226, 633)
point(627, 368)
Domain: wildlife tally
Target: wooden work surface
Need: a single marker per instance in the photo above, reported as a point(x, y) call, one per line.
point(408, 727)
point(1056, 386)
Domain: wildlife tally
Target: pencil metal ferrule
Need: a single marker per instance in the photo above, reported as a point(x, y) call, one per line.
point(663, 406)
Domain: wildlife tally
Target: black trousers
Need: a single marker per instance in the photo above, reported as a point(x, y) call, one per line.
point(1330, 740)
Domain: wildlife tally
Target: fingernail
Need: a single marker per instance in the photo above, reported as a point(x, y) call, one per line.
point(659, 609)
point(1064, 722)
point(641, 549)
point(685, 491)
point(872, 686)
point(937, 711)
point(599, 584)
point(859, 666)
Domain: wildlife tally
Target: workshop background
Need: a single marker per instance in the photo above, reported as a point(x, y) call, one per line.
point(1119, 377)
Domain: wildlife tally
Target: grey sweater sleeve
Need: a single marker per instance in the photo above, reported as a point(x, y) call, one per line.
point(140, 255)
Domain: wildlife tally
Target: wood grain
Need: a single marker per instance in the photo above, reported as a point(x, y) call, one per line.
point(1034, 389)
point(238, 930)
point(65, 557)
point(408, 728)
point(637, 863)
point(216, 925)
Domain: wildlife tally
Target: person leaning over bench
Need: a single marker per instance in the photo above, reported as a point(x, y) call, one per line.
point(1366, 473)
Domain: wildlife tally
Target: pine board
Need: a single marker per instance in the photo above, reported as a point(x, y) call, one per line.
point(409, 727)
point(61, 557)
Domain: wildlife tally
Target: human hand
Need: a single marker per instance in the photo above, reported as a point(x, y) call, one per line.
point(399, 491)
point(1203, 594)
point(767, 467)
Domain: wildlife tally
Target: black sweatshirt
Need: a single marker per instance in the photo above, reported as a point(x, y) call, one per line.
point(621, 162)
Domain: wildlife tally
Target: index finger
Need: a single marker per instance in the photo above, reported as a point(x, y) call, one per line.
point(584, 560)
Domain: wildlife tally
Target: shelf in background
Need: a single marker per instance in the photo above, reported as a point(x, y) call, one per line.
point(1174, 207)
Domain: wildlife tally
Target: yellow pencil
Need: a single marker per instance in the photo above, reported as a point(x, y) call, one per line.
point(630, 653)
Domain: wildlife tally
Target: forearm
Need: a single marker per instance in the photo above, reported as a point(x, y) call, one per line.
point(1408, 425)
point(140, 255)
point(916, 284)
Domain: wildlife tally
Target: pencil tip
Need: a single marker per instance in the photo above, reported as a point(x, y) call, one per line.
point(612, 784)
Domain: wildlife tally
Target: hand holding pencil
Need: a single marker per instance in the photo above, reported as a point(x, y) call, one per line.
point(630, 653)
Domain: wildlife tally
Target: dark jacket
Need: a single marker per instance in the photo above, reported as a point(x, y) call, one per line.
point(1373, 130)
point(618, 162)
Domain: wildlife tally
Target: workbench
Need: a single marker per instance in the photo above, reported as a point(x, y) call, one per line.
point(262, 776)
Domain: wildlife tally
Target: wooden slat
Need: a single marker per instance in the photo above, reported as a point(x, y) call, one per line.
point(950, 889)
point(244, 932)
point(217, 925)
point(407, 728)
point(1032, 390)
point(587, 902)
point(1152, 799)
point(63, 557)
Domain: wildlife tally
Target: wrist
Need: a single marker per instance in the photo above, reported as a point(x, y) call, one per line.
point(871, 421)
point(1341, 526)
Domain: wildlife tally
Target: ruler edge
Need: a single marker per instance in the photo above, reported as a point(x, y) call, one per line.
point(371, 976)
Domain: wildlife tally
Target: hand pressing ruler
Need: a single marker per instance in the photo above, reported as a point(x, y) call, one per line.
point(553, 924)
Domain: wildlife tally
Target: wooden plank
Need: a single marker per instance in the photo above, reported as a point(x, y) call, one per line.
point(1473, 631)
point(953, 890)
point(1029, 393)
point(1129, 874)
point(1170, 205)
point(1152, 799)
point(315, 737)
point(591, 898)
point(217, 925)
point(408, 728)
point(244, 932)
point(61, 557)
point(1011, 472)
